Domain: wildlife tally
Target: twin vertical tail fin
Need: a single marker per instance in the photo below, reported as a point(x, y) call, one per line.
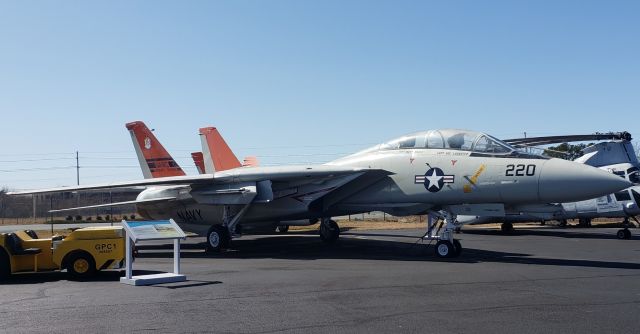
point(217, 155)
point(154, 159)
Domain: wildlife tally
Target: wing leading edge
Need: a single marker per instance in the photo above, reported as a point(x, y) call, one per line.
point(255, 174)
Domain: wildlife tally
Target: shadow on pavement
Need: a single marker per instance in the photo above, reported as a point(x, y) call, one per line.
point(363, 247)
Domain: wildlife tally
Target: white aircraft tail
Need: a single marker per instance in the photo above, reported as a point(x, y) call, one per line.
point(154, 159)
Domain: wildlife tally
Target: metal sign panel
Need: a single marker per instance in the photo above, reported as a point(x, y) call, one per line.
point(153, 230)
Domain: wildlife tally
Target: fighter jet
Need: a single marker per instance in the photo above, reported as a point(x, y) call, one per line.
point(614, 154)
point(451, 171)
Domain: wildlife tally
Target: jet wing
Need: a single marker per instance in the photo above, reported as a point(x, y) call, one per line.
point(306, 174)
point(154, 200)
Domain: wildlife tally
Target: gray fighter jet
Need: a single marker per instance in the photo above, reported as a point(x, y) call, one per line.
point(614, 154)
point(450, 171)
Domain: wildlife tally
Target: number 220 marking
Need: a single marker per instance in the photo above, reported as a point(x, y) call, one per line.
point(521, 170)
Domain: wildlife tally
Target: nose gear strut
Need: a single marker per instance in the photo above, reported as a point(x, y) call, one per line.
point(446, 245)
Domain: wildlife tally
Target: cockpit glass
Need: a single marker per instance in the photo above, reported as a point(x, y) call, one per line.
point(435, 140)
point(458, 139)
point(450, 139)
point(490, 145)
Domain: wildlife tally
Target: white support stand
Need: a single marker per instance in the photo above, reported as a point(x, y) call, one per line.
point(147, 234)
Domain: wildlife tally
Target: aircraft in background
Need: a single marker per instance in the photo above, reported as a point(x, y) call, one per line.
point(614, 154)
point(450, 171)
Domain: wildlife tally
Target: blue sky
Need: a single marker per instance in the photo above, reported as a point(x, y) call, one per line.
point(300, 81)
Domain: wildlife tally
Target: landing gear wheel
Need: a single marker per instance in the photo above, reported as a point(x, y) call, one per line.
point(623, 234)
point(584, 222)
point(444, 249)
point(506, 227)
point(217, 239)
point(329, 231)
point(282, 228)
point(81, 265)
point(563, 223)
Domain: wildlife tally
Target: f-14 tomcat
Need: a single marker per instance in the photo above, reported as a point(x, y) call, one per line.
point(451, 171)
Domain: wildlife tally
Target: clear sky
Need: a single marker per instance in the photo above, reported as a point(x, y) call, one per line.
point(300, 81)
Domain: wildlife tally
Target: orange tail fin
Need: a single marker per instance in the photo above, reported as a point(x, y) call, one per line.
point(154, 160)
point(217, 154)
point(198, 159)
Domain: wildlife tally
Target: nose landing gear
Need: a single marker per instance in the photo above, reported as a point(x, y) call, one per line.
point(447, 246)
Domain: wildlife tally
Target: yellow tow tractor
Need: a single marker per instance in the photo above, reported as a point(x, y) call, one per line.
point(82, 253)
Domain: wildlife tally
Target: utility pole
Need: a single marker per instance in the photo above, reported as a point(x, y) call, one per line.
point(78, 183)
point(77, 168)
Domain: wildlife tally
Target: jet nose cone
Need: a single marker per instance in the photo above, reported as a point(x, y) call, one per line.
point(566, 181)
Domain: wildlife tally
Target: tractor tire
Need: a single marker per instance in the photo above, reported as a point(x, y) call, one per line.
point(80, 265)
point(5, 265)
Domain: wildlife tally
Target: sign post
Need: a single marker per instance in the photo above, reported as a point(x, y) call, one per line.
point(153, 230)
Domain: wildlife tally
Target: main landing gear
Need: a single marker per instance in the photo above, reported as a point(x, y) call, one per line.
point(447, 246)
point(506, 227)
point(624, 233)
point(219, 236)
point(329, 231)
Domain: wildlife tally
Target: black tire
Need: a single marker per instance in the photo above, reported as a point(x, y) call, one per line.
point(5, 265)
point(282, 228)
point(563, 223)
point(506, 228)
point(623, 234)
point(329, 232)
point(444, 249)
point(457, 246)
point(80, 265)
point(217, 239)
point(584, 222)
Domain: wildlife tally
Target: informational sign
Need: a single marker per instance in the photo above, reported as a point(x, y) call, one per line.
point(153, 230)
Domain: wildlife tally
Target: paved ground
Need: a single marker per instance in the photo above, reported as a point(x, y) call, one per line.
point(538, 280)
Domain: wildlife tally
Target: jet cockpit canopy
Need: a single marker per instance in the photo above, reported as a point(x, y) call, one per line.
point(450, 139)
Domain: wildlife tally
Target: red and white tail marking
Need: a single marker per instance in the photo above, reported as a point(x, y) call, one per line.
point(154, 160)
point(216, 153)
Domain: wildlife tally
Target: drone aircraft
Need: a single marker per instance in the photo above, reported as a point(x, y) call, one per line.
point(450, 171)
point(614, 154)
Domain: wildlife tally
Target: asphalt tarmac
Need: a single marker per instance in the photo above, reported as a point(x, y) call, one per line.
point(540, 280)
